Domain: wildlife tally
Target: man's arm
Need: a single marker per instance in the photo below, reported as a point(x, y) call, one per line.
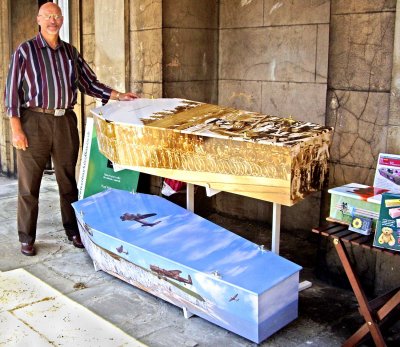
point(19, 139)
point(11, 98)
point(123, 96)
point(15, 72)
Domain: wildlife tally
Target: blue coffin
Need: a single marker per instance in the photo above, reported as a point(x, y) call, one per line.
point(189, 262)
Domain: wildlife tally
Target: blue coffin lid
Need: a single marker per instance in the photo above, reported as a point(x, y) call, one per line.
point(185, 238)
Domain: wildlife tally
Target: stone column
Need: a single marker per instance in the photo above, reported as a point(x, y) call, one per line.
point(6, 151)
point(110, 33)
point(393, 140)
point(190, 50)
point(13, 14)
point(75, 38)
point(145, 36)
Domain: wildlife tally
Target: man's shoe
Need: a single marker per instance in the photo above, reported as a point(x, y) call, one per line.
point(27, 249)
point(76, 241)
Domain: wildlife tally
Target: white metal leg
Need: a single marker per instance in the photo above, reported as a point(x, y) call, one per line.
point(186, 313)
point(96, 267)
point(276, 238)
point(304, 285)
point(190, 197)
point(276, 227)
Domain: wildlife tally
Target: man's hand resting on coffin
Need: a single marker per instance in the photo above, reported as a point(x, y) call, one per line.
point(123, 96)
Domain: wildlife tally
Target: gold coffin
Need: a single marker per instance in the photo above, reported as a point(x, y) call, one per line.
point(261, 156)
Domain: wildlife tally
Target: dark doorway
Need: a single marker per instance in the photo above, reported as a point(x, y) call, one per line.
point(41, 2)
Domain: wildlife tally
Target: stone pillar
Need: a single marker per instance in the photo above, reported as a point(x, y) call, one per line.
point(146, 58)
point(190, 49)
point(145, 34)
point(75, 29)
point(6, 150)
point(393, 141)
point(174, 51)
point(110, 37)
point(75, 22)
point(85, 39)
point(13, 14)
point(360, 68)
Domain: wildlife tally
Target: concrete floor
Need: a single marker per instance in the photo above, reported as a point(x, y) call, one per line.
point(327, 315)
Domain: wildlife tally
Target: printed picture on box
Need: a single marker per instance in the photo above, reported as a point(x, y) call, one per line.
point(388, 231)
point(390, 174)
point(387, 174)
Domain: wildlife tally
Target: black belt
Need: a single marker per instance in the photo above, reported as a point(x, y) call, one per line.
point(56, 112)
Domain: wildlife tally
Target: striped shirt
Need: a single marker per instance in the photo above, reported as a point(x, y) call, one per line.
point(40, 76)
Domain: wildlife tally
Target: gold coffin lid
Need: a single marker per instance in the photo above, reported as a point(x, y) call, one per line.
point(252, 154)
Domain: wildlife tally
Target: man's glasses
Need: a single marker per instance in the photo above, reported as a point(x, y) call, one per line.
point(48, 16)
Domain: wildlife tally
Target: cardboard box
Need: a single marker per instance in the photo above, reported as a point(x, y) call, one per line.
point(262, 156)
point(190, 262)
point(354, 205)
point(388, 231)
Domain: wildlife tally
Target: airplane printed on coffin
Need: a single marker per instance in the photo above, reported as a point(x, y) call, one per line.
point(120, 249)
point(139, 218)
point(234, 298)
point(174, 274)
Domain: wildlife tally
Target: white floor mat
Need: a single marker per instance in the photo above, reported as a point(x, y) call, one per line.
point(34, 314)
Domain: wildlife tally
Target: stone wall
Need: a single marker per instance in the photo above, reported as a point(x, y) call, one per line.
point(190, 49)
point(360, 68)
point(145, 58)
point(87, 50)
point(145, 62)
point(81, 23)
point(358, 103)
point(273, 58)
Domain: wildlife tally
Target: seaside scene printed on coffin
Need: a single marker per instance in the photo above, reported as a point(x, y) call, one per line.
point(262, 156)
point(190, 262)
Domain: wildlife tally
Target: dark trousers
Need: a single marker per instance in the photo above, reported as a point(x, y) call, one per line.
point(48, 136)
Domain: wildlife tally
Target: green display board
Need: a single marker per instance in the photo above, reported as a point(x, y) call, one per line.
point(388, 231)
point(97, 172)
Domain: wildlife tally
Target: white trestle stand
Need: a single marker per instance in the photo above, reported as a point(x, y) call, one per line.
point(190, 197)
point(276, 231)
point(189, 206)
point(276, 227)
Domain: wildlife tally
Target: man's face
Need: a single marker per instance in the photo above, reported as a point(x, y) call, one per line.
point(50, 19)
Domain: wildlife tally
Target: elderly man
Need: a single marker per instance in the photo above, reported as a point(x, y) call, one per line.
point(41, 91)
